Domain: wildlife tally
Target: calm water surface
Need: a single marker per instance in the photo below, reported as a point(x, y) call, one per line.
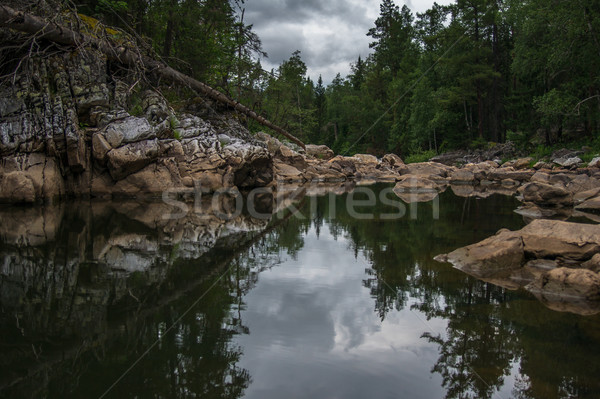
point(322, 306)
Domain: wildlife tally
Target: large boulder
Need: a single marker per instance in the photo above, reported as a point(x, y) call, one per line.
point(541, 239)
point(510, 173)
point(319, 151)
point(430, 170)
point(503, 251)
point(128, 130)
point(290, 157)
point(392, 160)
point(546, 194)
point(367, 159)
point(16, 187)
point(569, 162)
point(286, 172)
point(462, 176)
point(553, 239)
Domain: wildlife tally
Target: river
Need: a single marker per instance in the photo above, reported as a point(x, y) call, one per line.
point(110, 299)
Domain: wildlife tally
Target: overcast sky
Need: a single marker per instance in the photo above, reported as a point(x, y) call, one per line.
point(331, 34)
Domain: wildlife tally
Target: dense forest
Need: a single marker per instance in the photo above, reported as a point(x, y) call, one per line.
point(456, 76)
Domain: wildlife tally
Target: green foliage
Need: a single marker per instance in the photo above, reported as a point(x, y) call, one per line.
point(456, 76)
point(111, 6)
point(422, 156)
point(137, 110)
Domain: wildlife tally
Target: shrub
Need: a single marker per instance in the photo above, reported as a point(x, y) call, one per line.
point(422, 156)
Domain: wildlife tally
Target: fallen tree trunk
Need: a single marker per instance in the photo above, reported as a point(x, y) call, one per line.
point(59, 34)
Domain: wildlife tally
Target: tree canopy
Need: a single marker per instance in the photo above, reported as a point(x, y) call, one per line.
point(472, 72)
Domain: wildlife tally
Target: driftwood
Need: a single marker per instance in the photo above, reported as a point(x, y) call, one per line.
point(31, 24)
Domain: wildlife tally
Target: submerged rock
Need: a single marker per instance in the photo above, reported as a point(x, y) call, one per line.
point(568, 284)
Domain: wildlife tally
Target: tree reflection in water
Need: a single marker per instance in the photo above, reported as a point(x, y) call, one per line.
point(87, 289)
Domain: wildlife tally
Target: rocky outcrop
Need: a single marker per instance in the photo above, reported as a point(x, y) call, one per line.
point(67, 129)
point(557, 260)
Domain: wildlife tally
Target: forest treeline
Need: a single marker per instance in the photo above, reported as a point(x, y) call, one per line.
point(455, 76)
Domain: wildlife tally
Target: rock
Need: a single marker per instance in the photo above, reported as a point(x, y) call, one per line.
point(542, 165)
point(392, 160)
point(467, 190)
point(570, 284)
point(583, 196)
point(128, 130)
point(594, 163)
point(255, 170)
point(224, 139)
point(319, 151)
point(541, 177)
point(287, 172)
point(522, 163)
point(461, 157)
point(412, 188)
point(593, 264)
point(553, 239)
point(345, 165)
point(415, 183)
point(290, 157)
point(100, 147)
point(155, 107)
point(568, 162)
point(190, 127)
point(592, 204)
point(16, 187)
point(545, 194)
point(462, 176)
point(510, 183)
point(428, 169)
point(509, 173)
point(581, 183)
point(131, 158)
point(272, 143)
point(565, 153)
point(367, 159)
point(503, 251)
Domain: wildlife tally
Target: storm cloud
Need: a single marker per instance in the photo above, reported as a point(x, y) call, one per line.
point(330, 34)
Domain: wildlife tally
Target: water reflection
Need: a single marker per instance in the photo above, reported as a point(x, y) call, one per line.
point(322, 305)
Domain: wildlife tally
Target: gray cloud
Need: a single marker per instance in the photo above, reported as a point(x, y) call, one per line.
point(330, 34)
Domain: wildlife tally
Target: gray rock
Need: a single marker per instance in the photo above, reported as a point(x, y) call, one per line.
point(568, 162)
point(128, 130)
point(130, 158)
point(594, 163)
